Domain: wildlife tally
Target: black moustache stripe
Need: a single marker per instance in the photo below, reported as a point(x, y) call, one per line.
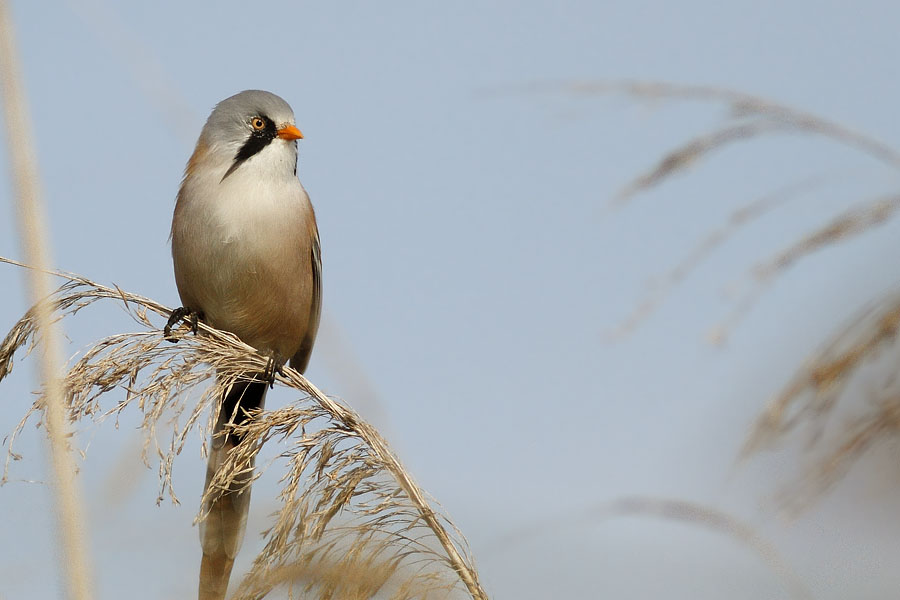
point(259, 139)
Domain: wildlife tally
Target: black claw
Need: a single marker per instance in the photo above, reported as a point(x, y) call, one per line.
point(180, 313)
point(273, 368)
point(195, 318)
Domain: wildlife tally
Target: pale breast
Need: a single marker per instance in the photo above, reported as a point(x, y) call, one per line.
point(243, 259)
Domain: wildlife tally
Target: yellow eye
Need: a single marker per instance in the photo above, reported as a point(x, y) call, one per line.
point(257, 123)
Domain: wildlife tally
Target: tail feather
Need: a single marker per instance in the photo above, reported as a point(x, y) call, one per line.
point(222, 531)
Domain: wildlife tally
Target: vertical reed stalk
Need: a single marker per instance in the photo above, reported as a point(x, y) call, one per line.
point(35, 246)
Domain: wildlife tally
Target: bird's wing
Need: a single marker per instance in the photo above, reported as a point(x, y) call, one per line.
point(301, 359)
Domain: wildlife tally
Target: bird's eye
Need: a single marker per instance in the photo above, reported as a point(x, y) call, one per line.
point(258, 123)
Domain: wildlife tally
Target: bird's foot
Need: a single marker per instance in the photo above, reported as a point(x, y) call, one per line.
point(192, 317)
point(273, 367)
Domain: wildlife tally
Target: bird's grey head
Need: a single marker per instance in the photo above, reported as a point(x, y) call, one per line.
point(249, 125)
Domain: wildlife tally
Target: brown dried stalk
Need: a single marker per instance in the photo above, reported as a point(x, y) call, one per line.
point(812, 394)
point(75, 558)
point(765, 117)
point(692, 151)
point(857, 220)
point(755, 116)
point(705, 247)
point(811, 398)
point(760, 116)
point(347, 500)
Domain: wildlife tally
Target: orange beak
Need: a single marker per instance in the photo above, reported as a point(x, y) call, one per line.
point(289, 132)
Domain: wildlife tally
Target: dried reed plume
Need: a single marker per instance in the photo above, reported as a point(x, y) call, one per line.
point(348, 505)
point(810, 399)
point(751, 117)
point(763, 117)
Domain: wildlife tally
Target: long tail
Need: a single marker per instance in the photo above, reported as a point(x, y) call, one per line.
point(222, 532)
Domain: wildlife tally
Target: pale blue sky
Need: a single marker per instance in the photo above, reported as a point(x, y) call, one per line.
point(473, 272)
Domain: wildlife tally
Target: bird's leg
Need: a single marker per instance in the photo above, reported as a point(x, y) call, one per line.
point(273, 368)
point(193, 318)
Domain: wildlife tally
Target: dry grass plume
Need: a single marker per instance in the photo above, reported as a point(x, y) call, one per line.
point(348, 505)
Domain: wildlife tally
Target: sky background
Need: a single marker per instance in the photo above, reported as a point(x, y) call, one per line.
point(473, 271)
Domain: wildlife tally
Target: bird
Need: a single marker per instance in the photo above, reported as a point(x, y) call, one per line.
point(247, 260)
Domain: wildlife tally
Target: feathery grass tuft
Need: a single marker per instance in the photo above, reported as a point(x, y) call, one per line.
point(348, 505)
point(810, 399)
